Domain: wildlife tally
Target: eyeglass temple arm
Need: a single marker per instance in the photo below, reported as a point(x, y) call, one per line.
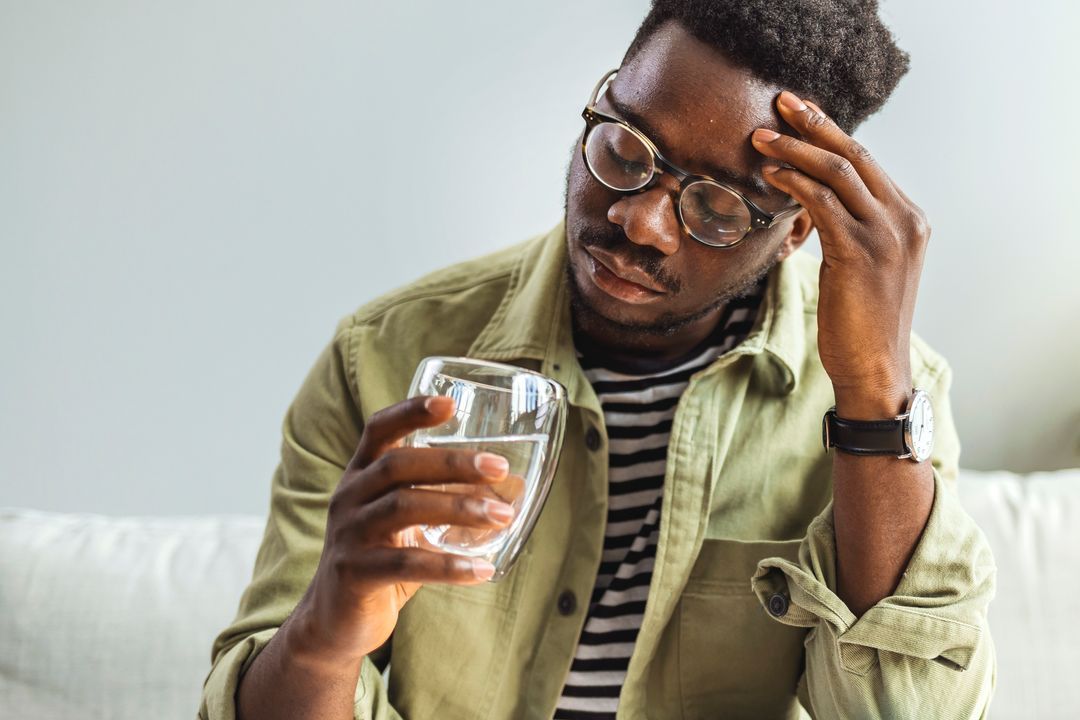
point(784, 213)
point(596, 90)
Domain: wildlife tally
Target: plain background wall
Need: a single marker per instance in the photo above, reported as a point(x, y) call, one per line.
point(192, 194)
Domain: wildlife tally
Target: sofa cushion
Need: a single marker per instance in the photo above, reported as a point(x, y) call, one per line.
point(114, 617)
point(1033, 525)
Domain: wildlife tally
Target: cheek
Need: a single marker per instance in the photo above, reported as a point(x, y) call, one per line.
point(585, 196)
point(575, 181)
point(706, 270)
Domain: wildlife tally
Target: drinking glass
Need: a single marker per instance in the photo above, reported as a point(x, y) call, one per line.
point(506, 410)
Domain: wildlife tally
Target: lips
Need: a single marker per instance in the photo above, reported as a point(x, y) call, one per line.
point(620, 281)
point(625, 272)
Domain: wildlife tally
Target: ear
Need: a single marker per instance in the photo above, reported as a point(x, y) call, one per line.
point(798, 230)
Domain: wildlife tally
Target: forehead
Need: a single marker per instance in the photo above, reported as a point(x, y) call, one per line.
point(700, 107)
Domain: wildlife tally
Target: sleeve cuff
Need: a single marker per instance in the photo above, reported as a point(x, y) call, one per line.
point(936, 612)
point(219, 690)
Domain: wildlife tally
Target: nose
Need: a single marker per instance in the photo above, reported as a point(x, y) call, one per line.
point(649, 218)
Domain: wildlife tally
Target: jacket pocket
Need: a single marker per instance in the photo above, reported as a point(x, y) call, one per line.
point(735, 660)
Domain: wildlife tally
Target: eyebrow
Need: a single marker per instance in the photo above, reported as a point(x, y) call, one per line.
point(751, 183)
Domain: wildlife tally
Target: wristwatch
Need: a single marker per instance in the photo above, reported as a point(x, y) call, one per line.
point(910, 435)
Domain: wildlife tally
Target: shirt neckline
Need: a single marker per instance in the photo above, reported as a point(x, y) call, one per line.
point(585, 350)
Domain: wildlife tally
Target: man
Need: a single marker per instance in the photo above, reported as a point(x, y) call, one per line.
point(700, 554)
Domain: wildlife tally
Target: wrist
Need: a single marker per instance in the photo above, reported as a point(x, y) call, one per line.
point(304, 644)
point(872, 401)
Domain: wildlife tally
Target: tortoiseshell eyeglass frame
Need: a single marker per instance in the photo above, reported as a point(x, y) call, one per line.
point(759, 219)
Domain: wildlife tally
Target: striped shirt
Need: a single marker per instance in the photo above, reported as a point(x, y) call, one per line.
point(638, 411)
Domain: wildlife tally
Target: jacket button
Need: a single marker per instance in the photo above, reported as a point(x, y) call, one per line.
point(567, 603)
point(778, 605)
point(592, 439)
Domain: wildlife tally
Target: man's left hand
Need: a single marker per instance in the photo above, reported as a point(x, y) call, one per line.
point(873, 239)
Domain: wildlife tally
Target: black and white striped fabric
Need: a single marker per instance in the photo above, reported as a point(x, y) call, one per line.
point(638, 411)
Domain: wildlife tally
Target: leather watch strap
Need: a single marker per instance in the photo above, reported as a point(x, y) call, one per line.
point(864, 437)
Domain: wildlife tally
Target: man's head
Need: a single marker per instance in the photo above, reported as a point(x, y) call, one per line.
point(697, 80)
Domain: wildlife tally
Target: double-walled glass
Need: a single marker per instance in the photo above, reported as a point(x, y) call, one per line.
point(505, 410)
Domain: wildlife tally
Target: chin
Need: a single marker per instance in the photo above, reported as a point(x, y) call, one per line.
point(591, 300)
point(595, 312)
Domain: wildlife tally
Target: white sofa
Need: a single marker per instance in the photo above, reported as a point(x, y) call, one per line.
point(113, 618)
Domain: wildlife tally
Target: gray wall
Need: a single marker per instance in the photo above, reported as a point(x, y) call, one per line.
point(192, 194)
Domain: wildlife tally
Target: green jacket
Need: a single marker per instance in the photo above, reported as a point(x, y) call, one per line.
point(746, 516)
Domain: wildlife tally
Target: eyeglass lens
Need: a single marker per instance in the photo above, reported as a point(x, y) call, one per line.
point(621, 160)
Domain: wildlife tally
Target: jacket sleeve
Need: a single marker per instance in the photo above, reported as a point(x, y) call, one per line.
point(925, 651)
point(321, 430)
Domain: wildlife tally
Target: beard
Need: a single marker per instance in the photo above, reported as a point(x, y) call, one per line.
point(668, 324)
point(649, 260)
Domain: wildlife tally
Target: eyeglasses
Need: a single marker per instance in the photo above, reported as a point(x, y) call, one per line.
point(621, 158)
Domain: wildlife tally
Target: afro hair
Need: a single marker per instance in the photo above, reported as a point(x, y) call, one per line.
point(836, 53)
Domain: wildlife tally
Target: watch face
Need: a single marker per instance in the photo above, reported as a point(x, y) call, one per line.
point(921, 427)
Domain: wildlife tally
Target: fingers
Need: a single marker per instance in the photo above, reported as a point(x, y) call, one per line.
point(389, 565)
point(830, 169)
point(402, 467)
point(819, 129)
point(825, 208)
point(381, 519)
point(858, 150)
point(388, 426)
point(509, 490)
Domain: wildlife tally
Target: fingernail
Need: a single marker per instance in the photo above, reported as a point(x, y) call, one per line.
point(765, 135)
point(491, 465)
point(769, 169)
point(482, 569)
point(498, 511)
point(791, 101)
point(438, 404)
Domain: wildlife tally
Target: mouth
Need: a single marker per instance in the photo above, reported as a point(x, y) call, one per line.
point(619, 280)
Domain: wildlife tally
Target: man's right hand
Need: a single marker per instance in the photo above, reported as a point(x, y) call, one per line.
point(374, 558)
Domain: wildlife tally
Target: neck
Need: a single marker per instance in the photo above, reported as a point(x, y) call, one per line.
point(639, 351)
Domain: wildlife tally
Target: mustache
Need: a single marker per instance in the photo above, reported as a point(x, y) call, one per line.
point(648, 259)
